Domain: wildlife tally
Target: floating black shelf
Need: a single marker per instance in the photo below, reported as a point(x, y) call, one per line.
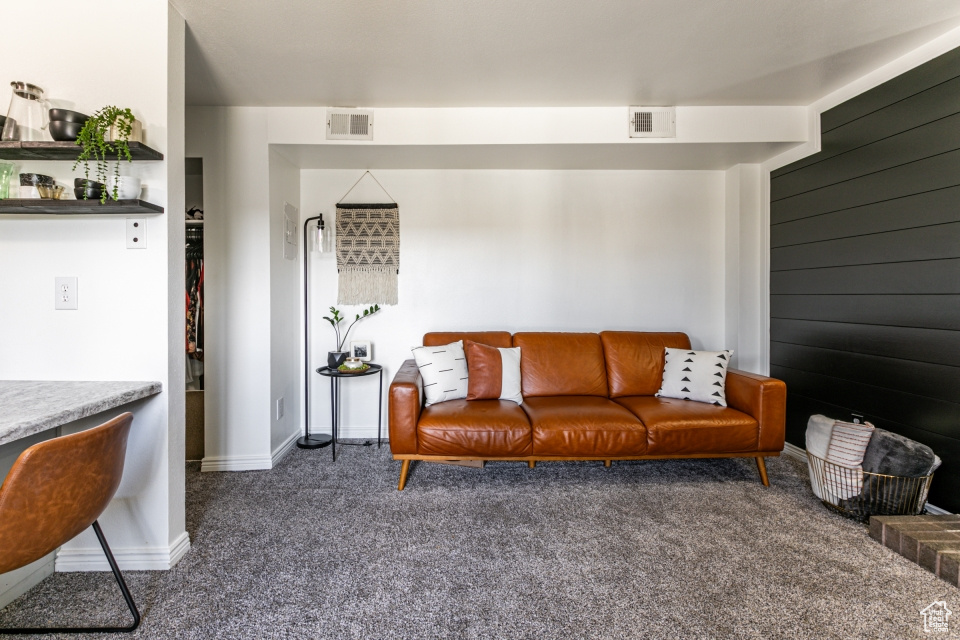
point(77, 207)
point(17, 150)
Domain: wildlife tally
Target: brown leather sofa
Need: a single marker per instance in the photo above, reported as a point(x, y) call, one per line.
point(586, 396)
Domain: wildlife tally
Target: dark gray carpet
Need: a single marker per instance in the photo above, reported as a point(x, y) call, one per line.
point(657, 549)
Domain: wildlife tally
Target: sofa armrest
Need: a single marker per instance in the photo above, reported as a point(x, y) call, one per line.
point(763, 398)
point(406, 392)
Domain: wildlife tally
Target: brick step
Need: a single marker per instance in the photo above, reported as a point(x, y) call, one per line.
point(933, 542)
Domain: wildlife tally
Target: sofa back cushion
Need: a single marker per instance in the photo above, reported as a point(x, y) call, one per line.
point(561, 364)
point(499, 339)
point(634, 360)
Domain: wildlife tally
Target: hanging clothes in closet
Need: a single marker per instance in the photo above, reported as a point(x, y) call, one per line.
point(194, 304)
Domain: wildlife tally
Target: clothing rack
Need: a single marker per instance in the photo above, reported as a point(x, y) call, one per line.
point(194, 242)
point(193, 253)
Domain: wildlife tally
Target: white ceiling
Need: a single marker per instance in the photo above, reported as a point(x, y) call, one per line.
point(456, 53)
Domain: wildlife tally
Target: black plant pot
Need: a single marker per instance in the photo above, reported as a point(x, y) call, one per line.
point(336, 358)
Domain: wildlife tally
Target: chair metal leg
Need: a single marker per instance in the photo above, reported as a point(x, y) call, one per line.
point(123, 590)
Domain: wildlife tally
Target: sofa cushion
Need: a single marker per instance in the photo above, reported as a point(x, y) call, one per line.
point(561, 364)
point(634, 360)
point(494, 372)
point(580, 426)
point(474, 428)
point(687, 427)
point(492, 338)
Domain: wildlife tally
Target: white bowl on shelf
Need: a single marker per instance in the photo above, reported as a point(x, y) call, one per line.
point(128, 188)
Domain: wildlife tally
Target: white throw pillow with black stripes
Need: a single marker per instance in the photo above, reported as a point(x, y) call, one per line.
point(444, 371)
point(695, 375)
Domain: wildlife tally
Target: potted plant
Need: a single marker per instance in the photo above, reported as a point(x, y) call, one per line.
point(106, 132)
point(336, 358)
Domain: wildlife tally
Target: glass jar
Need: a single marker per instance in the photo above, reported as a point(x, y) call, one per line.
point(27, 119)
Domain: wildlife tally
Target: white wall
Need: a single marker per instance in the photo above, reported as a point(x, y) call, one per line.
point(129, 324)
point(236, 187)
point(545, 125)
point(747, 267)
point(286, 317)
point(533, 249)
point(176, 284)
point(528, 251)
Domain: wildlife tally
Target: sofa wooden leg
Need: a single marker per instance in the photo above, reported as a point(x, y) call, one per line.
point(532, 463)
point(762, 466)
point(404, 468)
point(607, 463)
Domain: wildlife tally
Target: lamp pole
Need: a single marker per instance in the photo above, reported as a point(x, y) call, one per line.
point(309, 440)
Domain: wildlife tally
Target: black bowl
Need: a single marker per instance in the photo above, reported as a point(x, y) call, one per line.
point(92, 193)
point(83, 182)
point(33, 179)
point(64, 115)
point(63, 131)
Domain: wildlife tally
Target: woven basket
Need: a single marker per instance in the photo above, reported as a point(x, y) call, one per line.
point(860, 494)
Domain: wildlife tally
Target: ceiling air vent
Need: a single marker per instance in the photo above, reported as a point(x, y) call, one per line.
point(349, 124)
point(653, 122)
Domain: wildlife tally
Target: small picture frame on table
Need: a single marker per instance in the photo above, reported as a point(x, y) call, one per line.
point(361, 349)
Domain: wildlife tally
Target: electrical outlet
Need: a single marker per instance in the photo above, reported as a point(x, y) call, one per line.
point(279, 408)
point(65, 292)
point(136, 233)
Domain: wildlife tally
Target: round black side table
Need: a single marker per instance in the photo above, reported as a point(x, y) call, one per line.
point(336, 376)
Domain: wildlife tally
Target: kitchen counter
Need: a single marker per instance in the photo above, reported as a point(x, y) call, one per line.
point(31, 406)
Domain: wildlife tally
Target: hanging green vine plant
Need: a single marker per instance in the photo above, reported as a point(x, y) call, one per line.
point(95, 146)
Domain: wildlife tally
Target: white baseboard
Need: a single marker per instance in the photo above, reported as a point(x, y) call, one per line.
point(360, 433)
point(129, 558)
point(14, 584)
point(249, 463)
point(284, 449)
point(795, 452)
point(937, 511)
point(236, 463)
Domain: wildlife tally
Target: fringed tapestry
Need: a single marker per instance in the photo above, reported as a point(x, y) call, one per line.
point(368, 253)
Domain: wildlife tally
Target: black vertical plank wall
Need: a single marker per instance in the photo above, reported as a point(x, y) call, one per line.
point(865, 267)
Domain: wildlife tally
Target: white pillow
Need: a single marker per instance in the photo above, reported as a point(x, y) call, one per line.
point(819, 429)
point(848, 443)
point(444, 371)
point(494, 373)
point(510, 388)
point(695, 375)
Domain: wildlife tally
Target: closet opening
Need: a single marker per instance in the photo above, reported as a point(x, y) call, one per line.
point(194, 310)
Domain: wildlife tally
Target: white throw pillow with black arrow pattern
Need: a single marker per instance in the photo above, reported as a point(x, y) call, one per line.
point(695, 375)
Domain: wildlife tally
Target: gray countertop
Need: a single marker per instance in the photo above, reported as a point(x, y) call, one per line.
point(31, 406)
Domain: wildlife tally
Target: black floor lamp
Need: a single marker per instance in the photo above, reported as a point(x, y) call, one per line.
point(310, 440)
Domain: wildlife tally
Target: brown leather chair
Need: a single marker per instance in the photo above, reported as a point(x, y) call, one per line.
point(55, 490)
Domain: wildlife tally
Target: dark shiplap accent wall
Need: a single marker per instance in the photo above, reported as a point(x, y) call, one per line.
point(865, 267)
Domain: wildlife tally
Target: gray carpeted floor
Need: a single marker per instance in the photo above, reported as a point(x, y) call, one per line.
point(658, 549)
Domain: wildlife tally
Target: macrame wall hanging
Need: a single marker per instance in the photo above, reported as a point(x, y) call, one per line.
point(368, 250)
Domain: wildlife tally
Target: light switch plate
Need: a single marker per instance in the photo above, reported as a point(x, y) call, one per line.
point(65, 290)
point(136, 233)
